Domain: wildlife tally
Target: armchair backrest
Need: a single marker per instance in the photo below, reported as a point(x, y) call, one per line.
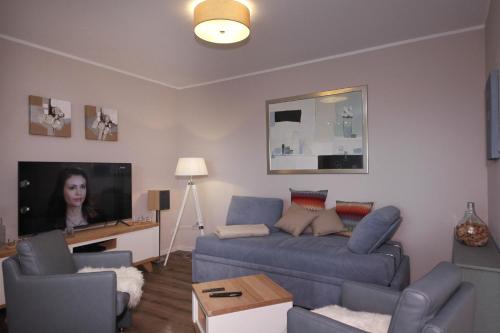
point(422, 300)
point(254, 210)
point(45, 254)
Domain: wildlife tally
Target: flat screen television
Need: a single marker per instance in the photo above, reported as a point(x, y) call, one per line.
point(72, 195)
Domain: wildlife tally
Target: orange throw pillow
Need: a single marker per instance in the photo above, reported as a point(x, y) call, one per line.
point(353, 208)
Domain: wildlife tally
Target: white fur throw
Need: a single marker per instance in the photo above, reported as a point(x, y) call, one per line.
point(367, 321)
point(128, 280)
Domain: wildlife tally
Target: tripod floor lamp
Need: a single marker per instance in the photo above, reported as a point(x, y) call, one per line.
point(189, 167)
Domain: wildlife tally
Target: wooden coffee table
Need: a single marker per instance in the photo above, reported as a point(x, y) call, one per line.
point(261, 308)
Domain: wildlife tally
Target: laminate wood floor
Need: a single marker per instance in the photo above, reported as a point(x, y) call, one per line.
point(165, 305)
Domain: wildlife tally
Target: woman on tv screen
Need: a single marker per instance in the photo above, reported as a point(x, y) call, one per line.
point(72, 195)
point(70, 202)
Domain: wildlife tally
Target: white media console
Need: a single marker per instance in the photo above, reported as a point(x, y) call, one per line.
point(140, 238)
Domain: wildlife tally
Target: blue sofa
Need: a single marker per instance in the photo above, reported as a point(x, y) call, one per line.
point(311, 268)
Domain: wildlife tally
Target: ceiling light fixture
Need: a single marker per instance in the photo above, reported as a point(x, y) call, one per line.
point(222, 21)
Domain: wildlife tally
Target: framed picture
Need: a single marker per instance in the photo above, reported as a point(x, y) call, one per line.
point(101, 123)
point(49, 116)
point(325, 132)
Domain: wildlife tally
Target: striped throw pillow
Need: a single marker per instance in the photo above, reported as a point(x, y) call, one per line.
point(351, 212)
point(353, 208)
point(312, 200)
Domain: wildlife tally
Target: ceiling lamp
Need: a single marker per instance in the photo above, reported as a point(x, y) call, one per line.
point(222, 21)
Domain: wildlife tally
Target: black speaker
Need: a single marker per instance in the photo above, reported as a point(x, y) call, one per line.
point(158, 200)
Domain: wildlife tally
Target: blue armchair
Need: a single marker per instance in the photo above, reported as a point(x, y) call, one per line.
point(437, 303)
point(44, 293)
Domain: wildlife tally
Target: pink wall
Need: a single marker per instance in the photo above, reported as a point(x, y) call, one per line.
point(493, 62)
point(426, 134)
point(426, 137)
point(146, 122)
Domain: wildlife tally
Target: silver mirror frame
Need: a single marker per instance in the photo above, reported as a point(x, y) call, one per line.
point(364, 170)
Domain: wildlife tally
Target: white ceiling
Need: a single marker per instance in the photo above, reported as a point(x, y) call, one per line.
point(154, 38)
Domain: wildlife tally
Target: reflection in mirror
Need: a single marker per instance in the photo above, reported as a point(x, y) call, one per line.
point(318, 133)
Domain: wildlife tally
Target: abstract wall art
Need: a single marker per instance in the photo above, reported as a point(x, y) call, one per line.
point(324, 132)
point(49, 116)
point(101, 123)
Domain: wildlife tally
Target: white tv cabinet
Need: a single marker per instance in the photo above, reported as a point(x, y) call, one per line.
point(140, 238)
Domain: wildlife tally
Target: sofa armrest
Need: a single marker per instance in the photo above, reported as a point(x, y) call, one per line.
point(301, 321)
point(368, 297)
point(457, 315)
point(103, 259)
point(59, 303)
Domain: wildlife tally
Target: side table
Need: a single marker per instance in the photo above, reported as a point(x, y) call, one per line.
point(481, 267)
point(262, 307)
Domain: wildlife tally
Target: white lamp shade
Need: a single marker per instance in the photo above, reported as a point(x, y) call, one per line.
point(222, 21)
point(191, 166)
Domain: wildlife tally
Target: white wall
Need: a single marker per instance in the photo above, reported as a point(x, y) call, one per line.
point(426, 137)
point(146, 123)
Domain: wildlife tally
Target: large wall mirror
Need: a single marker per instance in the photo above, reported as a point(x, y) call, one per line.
point(325, 132)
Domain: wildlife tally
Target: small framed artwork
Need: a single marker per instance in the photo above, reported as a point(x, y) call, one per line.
point(492, 116)
point(324, 132)
point(49, 116)
point(101, 123)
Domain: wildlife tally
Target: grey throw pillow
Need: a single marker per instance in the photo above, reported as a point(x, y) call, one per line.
point(296, 219)
point(374, 229)
point(328, 222)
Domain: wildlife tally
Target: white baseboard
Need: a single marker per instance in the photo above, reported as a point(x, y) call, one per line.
point(184, 248)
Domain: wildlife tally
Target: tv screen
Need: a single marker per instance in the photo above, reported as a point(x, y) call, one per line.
point(72, 195)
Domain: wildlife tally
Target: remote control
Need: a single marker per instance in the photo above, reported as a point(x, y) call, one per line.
point(227, 294)
point(212, 290)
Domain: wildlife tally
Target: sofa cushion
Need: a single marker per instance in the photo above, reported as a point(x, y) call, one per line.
point(374, 229)
point(353, 208)
point(350, 221)
point(327, 222)
point(45, 254)
point(296, 219)
point(241, 230)
point(351, 213)
point(254, 210)
point(314, 200)
point(323, 257)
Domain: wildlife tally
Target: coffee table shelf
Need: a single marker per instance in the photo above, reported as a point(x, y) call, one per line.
point(261, 308)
